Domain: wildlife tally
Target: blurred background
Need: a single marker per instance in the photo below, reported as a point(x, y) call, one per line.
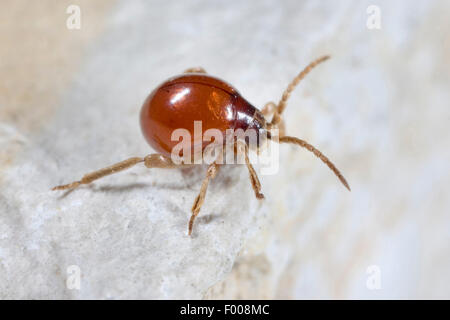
point(74, 76)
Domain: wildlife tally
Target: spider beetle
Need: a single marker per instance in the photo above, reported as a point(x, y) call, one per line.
point(194, 95)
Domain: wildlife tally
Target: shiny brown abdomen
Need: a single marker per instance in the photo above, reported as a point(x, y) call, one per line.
point(181, 100)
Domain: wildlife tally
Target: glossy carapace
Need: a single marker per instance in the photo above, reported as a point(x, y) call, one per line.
point(181, 100)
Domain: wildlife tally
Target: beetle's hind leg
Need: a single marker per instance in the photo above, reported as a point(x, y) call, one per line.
point(150, 161)
point(195, 70)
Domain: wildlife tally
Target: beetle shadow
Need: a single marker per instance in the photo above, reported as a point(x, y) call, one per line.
point(106, 188)
point(193, 174)
point(65, 194)
point(119, 188)
point(112, 188)
point(227, 176)
point(208, 218)
point(204, 220)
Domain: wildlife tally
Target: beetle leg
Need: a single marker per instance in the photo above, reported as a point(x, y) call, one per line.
point(195, 70)
point(88, 178)
point(157, 160)
point(256, 185)
point(210, 174)
point(150, 161)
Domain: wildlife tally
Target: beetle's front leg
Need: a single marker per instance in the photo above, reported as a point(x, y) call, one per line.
point(210, 174)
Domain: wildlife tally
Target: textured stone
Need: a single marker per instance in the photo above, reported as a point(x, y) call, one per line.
point(378, 109)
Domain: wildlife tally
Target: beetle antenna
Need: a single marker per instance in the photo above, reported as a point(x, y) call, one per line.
point(287, 93)
point(318, 154)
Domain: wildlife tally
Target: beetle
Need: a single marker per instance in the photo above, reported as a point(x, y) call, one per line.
point(195, 95)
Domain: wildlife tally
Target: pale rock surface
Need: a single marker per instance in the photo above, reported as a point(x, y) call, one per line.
point(379, 109)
